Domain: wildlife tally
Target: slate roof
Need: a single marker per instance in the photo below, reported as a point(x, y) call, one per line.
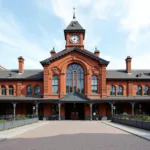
point(74, 26)
point(26, 99)
point(38, 75)
point(75, 97)
point(64, 52)
point(135, 74)
point(26, 75)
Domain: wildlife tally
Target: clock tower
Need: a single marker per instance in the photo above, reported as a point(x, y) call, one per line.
point(74, 34)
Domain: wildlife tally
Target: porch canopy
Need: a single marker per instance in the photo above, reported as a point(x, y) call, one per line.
point(75, 97)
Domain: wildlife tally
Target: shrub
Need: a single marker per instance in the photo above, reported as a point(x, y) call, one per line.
point(20, 117)
point(125, 116)
point(146, 118)
point(2, 121)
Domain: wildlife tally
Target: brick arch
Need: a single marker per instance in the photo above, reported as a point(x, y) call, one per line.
point(74, 61)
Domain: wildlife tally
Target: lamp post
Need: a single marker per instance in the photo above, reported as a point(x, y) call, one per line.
point(33, 110)
point(114, 108)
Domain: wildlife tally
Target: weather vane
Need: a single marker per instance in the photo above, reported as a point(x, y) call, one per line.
point(74, 17)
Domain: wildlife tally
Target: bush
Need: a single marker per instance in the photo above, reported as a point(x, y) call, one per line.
point(20, 117)
point(2, 121)
point(146, 118)
point(125, 116)
point(135, 117)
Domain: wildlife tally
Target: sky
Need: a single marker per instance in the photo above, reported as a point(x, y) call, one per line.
point(118, 28)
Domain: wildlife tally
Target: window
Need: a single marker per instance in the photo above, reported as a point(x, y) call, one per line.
point(29, 90)
point(146, 90)
point(54, 109)
point(120, 90)
point(94, 84)
point(37, 90)
point(3, 90)
point(11, 90)
point(112, 90)
point(55, 84)
point(74, 78)
point(138, 90)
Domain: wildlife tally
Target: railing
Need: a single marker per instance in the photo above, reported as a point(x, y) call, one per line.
point(145, 118)
point(17, 117)
point(9, 121)
point(138, 121)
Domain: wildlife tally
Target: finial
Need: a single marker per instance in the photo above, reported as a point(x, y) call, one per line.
point(53, 50)
point(74, 17)
point(96, 50)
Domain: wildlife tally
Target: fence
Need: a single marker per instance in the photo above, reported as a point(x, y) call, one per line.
point(139, 121)
point(8, 122)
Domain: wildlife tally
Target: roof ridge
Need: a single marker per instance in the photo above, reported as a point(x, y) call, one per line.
point(85, 52)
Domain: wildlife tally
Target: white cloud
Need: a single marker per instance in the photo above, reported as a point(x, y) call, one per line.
point(131, 16)
point(13, 41)
point(137, 17)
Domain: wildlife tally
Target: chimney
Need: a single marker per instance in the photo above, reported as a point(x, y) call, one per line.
point(96, 53)
point(128, 64)
point(52, 52)
point(21, 64)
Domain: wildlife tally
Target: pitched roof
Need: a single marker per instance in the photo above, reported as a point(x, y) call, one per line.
point(75, 97)
point(38, 75)
point(122, 74)
point(27, 74)
point(64, 52)
point(74, 26)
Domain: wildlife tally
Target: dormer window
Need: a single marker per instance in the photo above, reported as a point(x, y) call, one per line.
point(139, 75)
point(10, 75)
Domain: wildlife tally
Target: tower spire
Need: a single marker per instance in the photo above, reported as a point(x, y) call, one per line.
point(74, 16)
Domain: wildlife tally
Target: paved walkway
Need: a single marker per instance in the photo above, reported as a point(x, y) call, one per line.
point(75, 135)
point(136, 131)
point(6, 134)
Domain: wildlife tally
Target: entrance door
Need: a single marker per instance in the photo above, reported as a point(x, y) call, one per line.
point(74, 111)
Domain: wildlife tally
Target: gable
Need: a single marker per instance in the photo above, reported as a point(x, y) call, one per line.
point(65, 52)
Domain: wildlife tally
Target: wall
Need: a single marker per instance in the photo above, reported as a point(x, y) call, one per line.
point(129, 87)
point(59, 67)
point(20, 87)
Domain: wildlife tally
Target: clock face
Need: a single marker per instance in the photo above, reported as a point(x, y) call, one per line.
point(74, 39)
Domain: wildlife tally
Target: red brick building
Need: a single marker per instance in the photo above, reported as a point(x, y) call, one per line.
point(74, 84)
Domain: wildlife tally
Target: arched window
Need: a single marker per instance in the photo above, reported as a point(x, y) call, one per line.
point(29, 90)
point(3, 90)
point(11, 90)
point(146, 90)
point(55, 84)
point(112, 90)
point(37, 90)
point(120, 90)
point(138, 90)
point(94, 84)
point(74, 78)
